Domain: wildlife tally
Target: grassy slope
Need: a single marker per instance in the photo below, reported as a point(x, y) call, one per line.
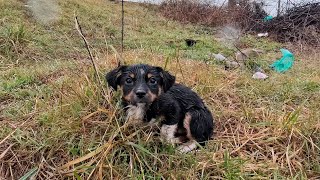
point(52, 103)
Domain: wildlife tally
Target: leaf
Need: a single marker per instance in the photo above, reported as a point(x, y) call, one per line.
point(87, 156)
point(29, 174)
point(77, 175)
point(5, 152)
point(142, 149)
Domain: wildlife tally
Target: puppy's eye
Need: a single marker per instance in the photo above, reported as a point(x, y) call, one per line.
point(129, 81)
point(152, 81)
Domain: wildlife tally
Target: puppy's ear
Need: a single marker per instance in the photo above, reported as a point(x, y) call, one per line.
point(167, 79)
point(113, 77)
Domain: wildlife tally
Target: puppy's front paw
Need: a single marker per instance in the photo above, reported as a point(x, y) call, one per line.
point(167, 133)
point(187, 147)
point(174, 141)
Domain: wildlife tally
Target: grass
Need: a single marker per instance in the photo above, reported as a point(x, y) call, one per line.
point(58, 123)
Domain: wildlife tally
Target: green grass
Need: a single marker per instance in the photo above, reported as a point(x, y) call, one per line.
point(53, 110)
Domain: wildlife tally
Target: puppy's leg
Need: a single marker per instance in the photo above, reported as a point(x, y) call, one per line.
point(167, 133)
point(199, 124)
point(152, 122)
point(191, 144)
point(170, 109)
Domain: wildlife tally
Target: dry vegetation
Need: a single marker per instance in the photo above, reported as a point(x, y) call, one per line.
point(191, 11)
point(58, 123)
point(299, 24)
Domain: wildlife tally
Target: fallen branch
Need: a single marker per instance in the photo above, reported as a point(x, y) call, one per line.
point(79, 29)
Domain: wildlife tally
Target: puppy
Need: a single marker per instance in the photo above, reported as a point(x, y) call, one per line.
point(149, 92)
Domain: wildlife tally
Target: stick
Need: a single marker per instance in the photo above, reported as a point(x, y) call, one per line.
point(78, 27)
point(122, 29)
point(240, 52)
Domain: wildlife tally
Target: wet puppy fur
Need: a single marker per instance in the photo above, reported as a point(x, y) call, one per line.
point(149, 92)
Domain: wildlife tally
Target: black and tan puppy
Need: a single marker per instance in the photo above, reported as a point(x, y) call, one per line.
point(150, 92)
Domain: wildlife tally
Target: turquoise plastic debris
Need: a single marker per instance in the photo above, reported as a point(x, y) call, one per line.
point(267, 18)
point(285, 63)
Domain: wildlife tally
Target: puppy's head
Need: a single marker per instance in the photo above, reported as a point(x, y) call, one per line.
point(140, 83)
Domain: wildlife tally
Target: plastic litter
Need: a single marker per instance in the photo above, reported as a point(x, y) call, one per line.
point(259, 75)
point(219, 57)
point(285, 63)
point(263, 34)
point(267, 18)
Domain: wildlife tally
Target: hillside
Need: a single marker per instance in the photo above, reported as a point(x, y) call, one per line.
point(59, 122)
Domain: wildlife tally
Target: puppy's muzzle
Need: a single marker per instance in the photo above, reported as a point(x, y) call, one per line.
point(140, 93)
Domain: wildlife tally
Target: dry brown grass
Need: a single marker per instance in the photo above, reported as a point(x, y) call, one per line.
point(192, 11)
point(256, 134)
point(252, 139)
point(66, 128)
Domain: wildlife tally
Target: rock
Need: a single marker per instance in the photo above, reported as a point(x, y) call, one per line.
point(259, 75)
point(247, 53)
point(231, 64)
point(218, 57)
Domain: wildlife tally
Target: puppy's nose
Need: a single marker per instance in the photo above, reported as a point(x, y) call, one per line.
point(141, 93)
